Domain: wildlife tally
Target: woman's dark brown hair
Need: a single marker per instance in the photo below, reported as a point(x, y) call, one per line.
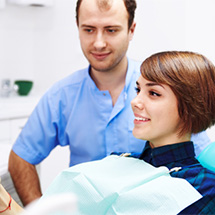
point(191, 77)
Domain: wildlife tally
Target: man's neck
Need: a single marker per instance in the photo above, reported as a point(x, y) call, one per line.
point(113, 80)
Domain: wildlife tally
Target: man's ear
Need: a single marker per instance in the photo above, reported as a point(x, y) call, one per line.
point(131, 30)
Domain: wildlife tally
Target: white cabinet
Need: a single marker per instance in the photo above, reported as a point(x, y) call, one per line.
point(5, 131)
point(10, 129)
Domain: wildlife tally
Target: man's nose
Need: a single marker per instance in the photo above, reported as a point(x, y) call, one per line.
point(100, 42)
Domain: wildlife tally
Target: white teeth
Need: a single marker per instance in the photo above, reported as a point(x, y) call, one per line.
point(141, 119)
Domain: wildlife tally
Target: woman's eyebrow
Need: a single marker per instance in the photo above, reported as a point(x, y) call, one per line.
point(151, 84)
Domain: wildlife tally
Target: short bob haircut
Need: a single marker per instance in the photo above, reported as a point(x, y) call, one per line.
point(191, 76)
point(130, 5)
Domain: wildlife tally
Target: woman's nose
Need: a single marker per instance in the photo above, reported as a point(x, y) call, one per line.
point(137, 102)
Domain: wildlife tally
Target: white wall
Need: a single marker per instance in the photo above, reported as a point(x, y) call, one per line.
point(42, 43)
point(174, 25)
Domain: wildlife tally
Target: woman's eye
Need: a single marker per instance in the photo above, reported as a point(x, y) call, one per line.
point(152, 93)
point(137, 90)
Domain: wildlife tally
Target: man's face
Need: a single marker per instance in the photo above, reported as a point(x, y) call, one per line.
point(104, 34)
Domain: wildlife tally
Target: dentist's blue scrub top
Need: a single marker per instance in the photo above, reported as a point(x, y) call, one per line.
point(75, 112)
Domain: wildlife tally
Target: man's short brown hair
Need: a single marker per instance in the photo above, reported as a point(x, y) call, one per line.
point(129, 4)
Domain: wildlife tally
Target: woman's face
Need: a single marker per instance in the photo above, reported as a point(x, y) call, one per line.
point(156, 113)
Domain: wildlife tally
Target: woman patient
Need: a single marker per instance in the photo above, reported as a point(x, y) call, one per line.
point(176, 97)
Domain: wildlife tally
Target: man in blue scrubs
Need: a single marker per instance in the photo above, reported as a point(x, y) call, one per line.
point(89, 110)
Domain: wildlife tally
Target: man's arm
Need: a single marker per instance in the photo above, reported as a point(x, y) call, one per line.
point(25, 179)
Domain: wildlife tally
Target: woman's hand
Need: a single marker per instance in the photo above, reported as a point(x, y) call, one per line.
point(7, 205)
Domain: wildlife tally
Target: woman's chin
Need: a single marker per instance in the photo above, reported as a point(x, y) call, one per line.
point(138, 135)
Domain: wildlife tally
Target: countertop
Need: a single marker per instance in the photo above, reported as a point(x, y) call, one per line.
point(17, 107)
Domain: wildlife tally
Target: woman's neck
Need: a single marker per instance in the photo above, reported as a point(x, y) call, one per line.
point(170, 140)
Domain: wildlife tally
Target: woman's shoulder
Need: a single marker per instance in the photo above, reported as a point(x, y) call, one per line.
point(201, 178)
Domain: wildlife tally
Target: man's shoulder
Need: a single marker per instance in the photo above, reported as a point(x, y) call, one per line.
point(134, 64)
point(71, 82)
point(66, 88)
point(133, 72)
point(75, 78)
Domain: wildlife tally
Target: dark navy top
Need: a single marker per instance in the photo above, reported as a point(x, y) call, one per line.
point(183, 155)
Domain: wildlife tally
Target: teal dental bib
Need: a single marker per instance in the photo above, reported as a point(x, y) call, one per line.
point(123, 185)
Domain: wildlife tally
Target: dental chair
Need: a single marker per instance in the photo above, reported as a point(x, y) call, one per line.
point(207, 157)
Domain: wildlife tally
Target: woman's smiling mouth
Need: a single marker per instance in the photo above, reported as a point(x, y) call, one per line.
point(138, 119)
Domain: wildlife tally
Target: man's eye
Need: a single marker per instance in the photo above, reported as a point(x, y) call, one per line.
point(111, 30)
point(88, 30)
point(152, 93)
point(137, 90)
